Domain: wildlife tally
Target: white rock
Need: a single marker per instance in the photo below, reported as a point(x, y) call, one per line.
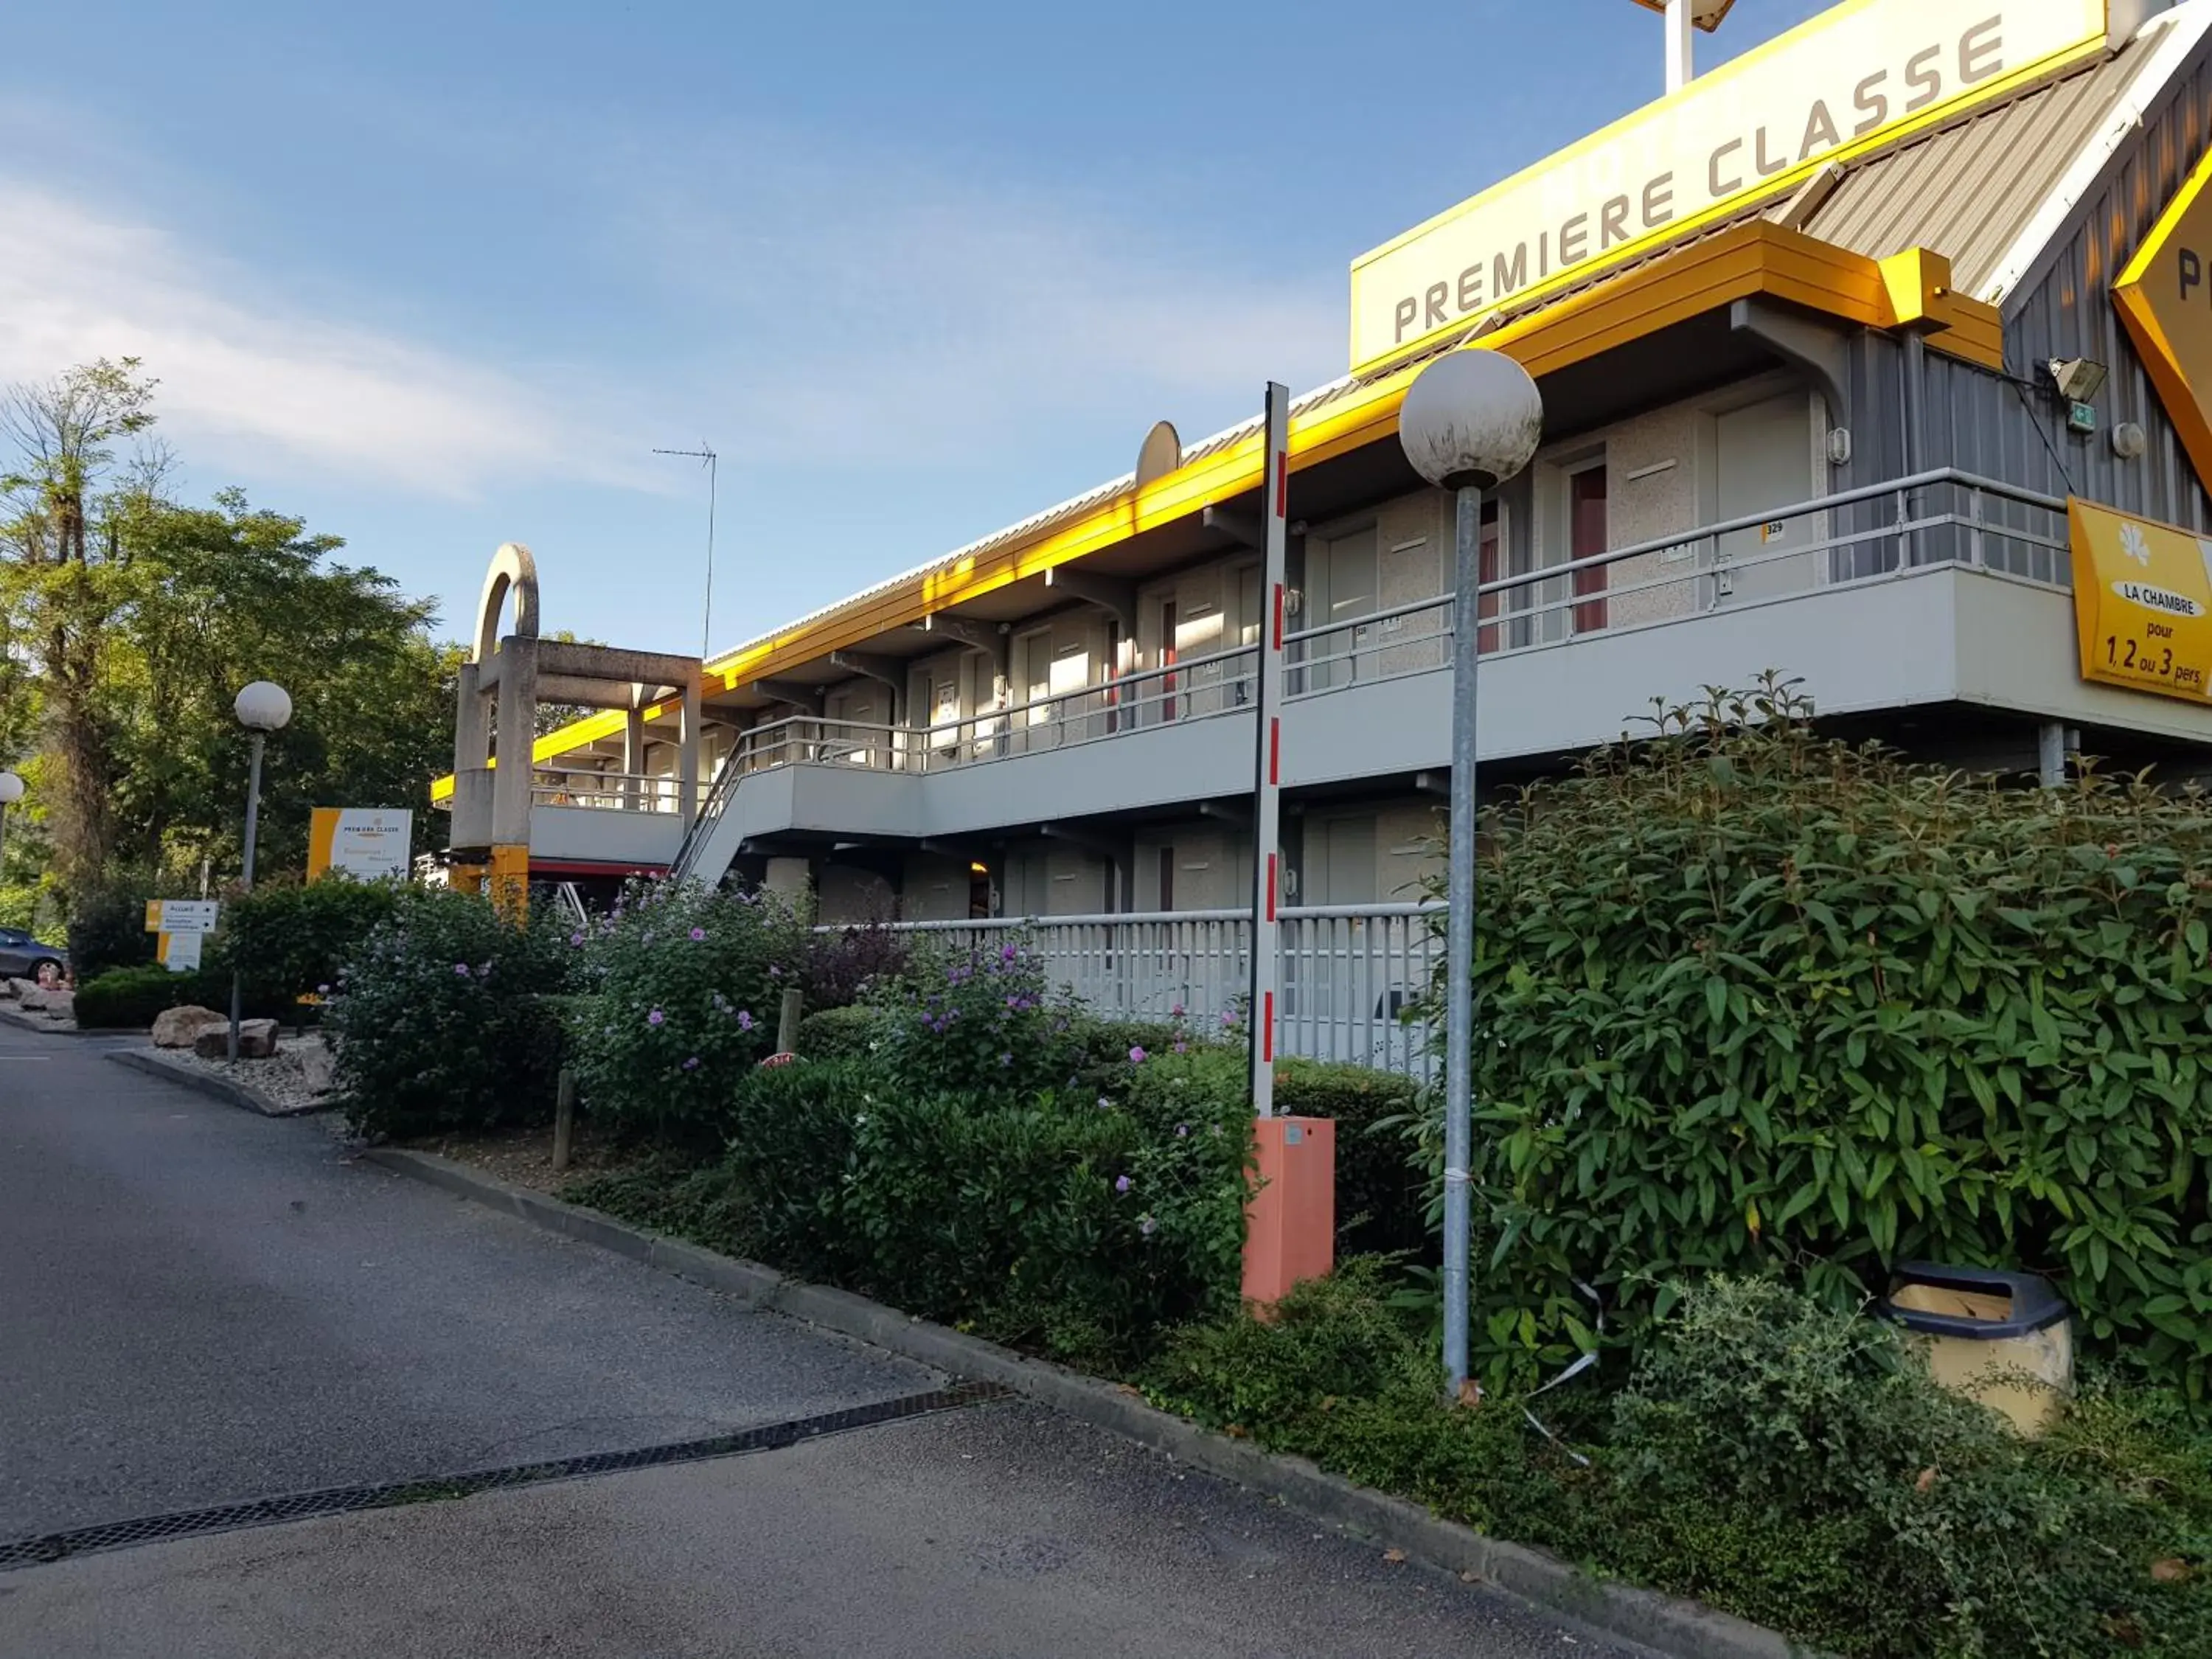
point(179, 1028)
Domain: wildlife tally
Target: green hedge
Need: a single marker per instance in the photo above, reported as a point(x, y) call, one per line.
point(1381, 1196)
point(848, 1033)
point(1082, 1228)
point(289, 942)
point(131, 999)
point(1751, 998)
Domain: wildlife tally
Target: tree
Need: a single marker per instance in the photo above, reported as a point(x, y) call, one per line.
point(129, 621)
point(63, 533)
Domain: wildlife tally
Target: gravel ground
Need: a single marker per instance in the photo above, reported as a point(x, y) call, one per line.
point(525, 1157)
point(297, 1074)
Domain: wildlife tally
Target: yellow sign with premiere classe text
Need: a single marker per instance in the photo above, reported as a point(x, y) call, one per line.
point(2143, 603)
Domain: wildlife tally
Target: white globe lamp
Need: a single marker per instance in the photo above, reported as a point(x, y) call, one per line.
point(1472, 419)
point(264, 706)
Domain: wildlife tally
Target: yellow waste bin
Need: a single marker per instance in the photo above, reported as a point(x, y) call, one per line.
point(2005, 1340)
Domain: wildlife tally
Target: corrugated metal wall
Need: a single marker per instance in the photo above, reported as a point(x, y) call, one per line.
point(1986, 424)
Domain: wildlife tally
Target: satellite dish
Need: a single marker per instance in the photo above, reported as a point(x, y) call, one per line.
point(1161, 454)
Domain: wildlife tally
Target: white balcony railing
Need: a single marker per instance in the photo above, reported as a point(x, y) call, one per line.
point(1350, 975)
point(1879, 533)
point(624, 791)
point(1873, 534)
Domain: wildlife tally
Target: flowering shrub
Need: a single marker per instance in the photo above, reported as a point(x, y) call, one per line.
point(981, 1022)
point(443, 1019)
point(842, 969)
point(689, 984)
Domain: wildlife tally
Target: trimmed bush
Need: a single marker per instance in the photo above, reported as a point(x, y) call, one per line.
point(1381, 1196)
point(131, 999)
point(293, 941)
point(1086, 1227)
point(850, 1033)
point(446, 1020)
point(687, 982)
point(1753, 998)
point(980, 1020)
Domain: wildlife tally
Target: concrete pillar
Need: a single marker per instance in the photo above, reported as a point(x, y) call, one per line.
point(518, 719)
point(634, 758)
point(790, 878)
point(687, 769)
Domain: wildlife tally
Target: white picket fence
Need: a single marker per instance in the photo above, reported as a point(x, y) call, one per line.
point(1351, 974)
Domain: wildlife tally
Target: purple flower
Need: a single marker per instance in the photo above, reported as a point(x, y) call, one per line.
point(692, 1064)
point(1147, 1226)
point(744, 1020)
point(1006, 953)
point(1123, 1183)
point(461, 969)
point(1228, 1018)
point(322, 990)
point(1104, 1104)
point(775, 972)
point(698, 935)
point(1182, 1130)
point(575, 938)
point(1006, 1059)
point(655, 1017)
point(1175, 1012)
point(1136, 1056)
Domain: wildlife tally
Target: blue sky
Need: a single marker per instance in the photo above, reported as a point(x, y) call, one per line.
point(436, 276)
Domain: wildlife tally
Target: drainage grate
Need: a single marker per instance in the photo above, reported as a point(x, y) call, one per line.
point(340, 1500)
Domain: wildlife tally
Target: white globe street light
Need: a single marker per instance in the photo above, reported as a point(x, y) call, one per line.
point(261, 707)
point(11, 791)
point(1470, 421)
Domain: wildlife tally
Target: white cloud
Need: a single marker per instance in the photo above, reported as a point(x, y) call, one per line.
point(244, 381)
point(833, 295)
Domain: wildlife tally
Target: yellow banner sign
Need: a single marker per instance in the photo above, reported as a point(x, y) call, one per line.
point(2143, 603)
point(2165, 298)
point(1860, 75)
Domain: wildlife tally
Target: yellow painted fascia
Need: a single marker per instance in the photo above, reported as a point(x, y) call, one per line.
point(1753, 259)
point(1781, 185)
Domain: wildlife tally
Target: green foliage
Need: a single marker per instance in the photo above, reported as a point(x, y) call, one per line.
point(1379, 1208)
point(290, 941)
point(848, 1033)
point(108, 927)
point(445, 1019)
point(688, 983)
point(1776, 1457)
point(1751, 998)
point(128, 998)
point(848, 966)
point(130, 619)
point(980, 1020)
point(1085, 1227)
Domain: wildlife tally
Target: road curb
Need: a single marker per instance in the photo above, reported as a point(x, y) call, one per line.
point(1682, 1629)
point(23, 1022)
point(155, 1064)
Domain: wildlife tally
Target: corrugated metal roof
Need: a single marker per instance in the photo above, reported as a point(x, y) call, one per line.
point(1970, 189)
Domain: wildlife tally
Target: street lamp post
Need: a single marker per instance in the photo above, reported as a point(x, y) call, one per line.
point(11, 791)
point(262, 707)
point(1469, 422)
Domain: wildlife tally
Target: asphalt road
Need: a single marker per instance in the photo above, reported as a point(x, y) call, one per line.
point(199, 1306)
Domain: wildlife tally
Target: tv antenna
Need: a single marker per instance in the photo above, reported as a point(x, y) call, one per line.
point(705, 455)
